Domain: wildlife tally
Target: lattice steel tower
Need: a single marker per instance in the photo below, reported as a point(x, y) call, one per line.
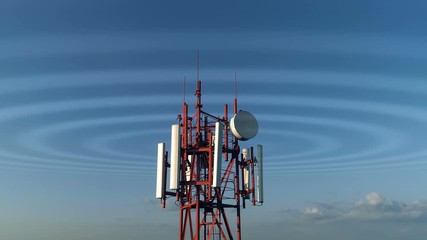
point(208, 171)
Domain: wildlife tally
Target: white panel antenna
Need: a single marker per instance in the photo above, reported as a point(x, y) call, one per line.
point(260, 190)
point(160, 170)
point(246, 154)
point(175, 157)
point(246, 178)
point(216, 181)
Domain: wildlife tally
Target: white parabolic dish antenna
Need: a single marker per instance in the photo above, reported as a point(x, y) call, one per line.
point(244, 125)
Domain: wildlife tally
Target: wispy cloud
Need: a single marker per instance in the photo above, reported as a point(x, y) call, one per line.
point(377, 207)
point(372, 207)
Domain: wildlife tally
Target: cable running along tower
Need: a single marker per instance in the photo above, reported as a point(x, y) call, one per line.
point(209, 174)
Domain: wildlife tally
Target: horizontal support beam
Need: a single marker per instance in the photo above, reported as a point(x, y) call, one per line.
point(195, 183)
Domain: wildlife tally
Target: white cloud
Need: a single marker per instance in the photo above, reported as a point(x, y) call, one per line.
point(376, 207)
point(372, 199)
point(319, 212)
point(372, 207)
point(313, 210)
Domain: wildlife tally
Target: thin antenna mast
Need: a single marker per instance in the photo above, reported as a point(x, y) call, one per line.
point(235, 92)
point(185, 88)
point(235, 85)
point(197, 65)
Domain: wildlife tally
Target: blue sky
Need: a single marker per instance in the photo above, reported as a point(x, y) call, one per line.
point(88, 89)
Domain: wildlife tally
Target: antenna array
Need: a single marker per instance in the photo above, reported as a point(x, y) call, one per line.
point(208, 172)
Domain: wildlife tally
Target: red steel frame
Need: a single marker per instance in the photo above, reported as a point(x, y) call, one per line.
point(202, 212)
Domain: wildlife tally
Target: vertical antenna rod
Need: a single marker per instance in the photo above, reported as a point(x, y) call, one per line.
point(197, 64)
point(235, 92)
point(198, 95)
point(185, 88)
point(235, 85)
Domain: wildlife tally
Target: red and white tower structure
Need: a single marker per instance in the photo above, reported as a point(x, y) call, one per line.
point(209, 173)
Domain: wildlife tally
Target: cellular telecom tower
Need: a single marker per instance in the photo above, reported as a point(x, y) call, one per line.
point(209, 174)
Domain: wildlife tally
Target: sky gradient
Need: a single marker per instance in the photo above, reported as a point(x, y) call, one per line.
point(88, 89)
